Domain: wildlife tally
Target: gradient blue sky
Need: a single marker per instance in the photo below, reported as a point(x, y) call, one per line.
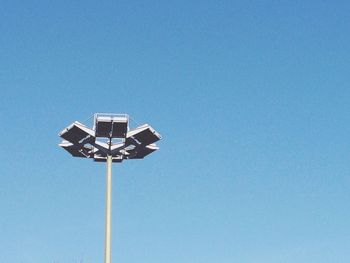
point(252, 99)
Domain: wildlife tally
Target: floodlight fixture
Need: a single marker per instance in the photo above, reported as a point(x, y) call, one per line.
point(77, 133)
point(75, 150)
point(143, 135)
point(110, 140)
point(141, 152)
point(111, 126)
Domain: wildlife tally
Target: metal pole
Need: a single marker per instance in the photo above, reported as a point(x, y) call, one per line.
point(108, 210)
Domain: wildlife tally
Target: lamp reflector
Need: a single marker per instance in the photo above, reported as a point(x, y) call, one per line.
point(74, 150)
point(111, 127)
point(103, 126)
point(119, 127)
point(144, 135)
point(141, 152)
point(78, 133)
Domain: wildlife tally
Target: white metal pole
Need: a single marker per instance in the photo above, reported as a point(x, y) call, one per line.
point(108, 210)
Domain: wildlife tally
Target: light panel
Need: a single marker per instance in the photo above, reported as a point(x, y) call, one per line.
point(143, 135)
point(101, 159)
point(78, 133)
point(111, 127)
point(75, 150)
point(119, 127)
point(141, 152)
point(103, 126)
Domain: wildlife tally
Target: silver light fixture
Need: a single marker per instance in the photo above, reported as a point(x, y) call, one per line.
point(110, 140)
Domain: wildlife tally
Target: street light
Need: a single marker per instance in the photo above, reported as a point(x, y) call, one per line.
point(110, 140)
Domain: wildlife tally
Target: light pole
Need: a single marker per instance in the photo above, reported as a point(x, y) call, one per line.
point(110, 140)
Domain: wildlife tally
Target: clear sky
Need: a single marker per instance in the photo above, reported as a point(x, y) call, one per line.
point(251, 97)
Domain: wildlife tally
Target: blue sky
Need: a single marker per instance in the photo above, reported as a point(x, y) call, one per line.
point(251, 97)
